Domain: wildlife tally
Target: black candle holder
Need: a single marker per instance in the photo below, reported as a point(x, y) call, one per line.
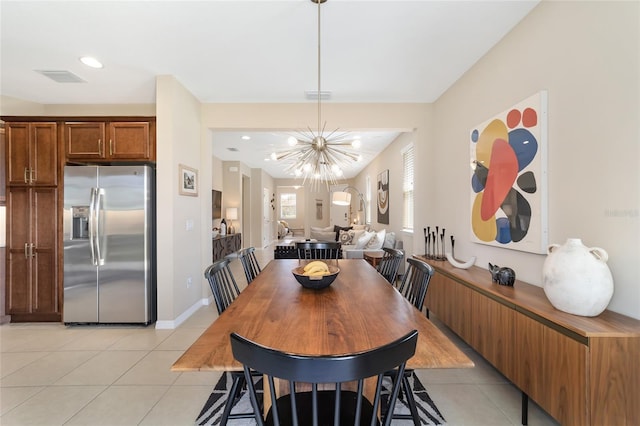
point(434, 243)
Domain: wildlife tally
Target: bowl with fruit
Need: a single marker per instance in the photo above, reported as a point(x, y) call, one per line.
point(316, 274)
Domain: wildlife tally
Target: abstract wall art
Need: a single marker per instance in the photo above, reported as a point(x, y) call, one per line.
point(509, 177)
point(383, 197)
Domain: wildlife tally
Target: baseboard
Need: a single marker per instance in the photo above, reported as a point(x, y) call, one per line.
point(170, 325)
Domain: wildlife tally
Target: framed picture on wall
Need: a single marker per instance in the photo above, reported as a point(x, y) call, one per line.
point(383, 197)
point(187, 181)
point(508, 190)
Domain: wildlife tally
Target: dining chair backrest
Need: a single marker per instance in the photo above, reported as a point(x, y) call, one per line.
point(223, 284)
point(249, 262)
point(323, 406)
point(416, 281)
point(390, 263)
point(319, 250)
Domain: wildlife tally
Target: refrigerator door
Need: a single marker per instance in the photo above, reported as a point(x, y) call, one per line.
point(124, 244)
point(80, 271)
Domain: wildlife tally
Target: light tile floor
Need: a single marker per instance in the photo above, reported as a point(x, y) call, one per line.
point(51, 374)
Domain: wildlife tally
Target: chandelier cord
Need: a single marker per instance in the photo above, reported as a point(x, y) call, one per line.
point(319, 94)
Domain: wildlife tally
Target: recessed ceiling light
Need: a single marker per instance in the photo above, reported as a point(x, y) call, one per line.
point(246, 138)
point(91, 62)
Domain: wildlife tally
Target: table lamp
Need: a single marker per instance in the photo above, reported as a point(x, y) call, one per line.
point(232, 214)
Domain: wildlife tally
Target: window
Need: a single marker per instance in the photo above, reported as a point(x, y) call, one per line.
point(367, 199)
point(287, 206)
point(407, 188)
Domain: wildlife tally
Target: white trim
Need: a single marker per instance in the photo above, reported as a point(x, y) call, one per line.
point(170, 325)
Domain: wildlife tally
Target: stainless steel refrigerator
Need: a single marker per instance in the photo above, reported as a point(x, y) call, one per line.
point(109, 245)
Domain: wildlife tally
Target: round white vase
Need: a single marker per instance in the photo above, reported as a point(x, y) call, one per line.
point(576, 278)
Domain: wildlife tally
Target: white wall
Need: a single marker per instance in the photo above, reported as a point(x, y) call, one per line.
point(585, 54)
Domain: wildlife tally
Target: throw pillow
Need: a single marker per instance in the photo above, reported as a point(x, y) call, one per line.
point(364, 240)
point(356, 235)
point(390, 240)
point(346, 237)
point(376, 241)
point(337, 230)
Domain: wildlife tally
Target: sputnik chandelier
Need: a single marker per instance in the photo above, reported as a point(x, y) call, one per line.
point(314, 155)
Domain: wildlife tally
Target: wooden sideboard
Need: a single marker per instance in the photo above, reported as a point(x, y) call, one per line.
point(224, 245)
point(581, 370)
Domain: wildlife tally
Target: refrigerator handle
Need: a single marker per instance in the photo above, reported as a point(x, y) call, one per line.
point(98, 236)
point(92, 225)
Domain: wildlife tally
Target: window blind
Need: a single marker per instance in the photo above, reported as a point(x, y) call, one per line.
point(407, 187)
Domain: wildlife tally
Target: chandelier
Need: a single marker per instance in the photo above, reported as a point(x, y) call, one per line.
point(315, 155)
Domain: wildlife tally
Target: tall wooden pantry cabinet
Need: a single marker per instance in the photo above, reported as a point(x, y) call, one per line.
point(33, 169)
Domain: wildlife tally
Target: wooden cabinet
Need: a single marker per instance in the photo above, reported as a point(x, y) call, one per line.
point(224, 245)
point(32, 153)
point(3, 166)
point(32, 250)
point(113, 140)
point(492, 333)
point(581, 370)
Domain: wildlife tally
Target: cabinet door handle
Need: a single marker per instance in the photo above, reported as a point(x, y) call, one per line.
point(32, 176)
point(26, 179)
point(31, 250)
point(99, 145)
point(26, 250)
point(110, 147)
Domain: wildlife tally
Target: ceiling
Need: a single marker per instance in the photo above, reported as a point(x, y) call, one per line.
point(263, 51)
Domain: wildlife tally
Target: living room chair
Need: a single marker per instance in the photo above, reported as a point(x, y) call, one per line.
point(325, 250)
point(390, 263)
point(249, 262)
point(414, 288)
point(326, 406)
point(225, 290)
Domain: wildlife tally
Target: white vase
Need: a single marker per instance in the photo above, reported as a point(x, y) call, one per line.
point(576, 278)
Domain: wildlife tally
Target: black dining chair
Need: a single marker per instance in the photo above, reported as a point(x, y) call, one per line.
point(390, 263)
point(325, 250)
point(223, 284)
point(327, 406)
point(415, 283)
point(250, 264)
point(225, 290)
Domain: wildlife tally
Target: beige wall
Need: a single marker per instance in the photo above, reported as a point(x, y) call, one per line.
point(13, 106)
point(391, 159)
point(181, 252)
point(585, 54)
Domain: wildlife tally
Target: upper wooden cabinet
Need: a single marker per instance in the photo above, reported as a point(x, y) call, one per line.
point(115, 140)
point(32, 153)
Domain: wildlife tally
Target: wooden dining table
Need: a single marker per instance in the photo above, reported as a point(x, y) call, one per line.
point(359, 311)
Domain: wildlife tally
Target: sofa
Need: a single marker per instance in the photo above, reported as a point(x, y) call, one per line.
point(357, 239)
point(283, 228)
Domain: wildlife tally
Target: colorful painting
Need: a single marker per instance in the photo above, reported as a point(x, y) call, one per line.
point(383, 197)
point(509, 178)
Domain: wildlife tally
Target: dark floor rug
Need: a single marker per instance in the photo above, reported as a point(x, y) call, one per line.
point(212, 410)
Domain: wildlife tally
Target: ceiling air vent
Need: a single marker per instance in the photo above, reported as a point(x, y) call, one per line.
point(61, 76)
point(232, 149)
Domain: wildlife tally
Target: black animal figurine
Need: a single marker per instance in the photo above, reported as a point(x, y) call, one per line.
point(502, 276)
